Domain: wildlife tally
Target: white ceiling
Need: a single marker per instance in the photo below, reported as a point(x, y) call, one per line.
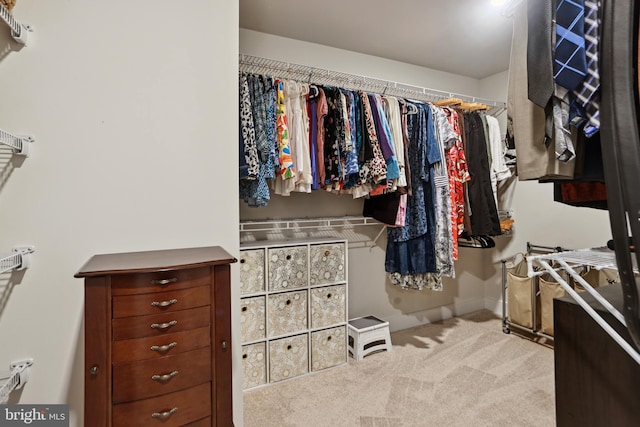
point(467, 37)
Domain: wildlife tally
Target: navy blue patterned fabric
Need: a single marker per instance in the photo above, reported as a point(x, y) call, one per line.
point(570, 63)
point(411, 249)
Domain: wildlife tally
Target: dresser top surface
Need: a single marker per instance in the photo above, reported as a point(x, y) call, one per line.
point(150, 261)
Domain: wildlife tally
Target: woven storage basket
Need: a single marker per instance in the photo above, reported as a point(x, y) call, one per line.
point(8, 3)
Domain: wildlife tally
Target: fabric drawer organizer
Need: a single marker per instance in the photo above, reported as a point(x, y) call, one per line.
point(293, 308)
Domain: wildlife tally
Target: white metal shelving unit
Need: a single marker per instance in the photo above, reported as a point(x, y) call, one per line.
point(568, 262)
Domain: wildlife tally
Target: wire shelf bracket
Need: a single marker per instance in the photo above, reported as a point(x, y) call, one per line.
point(19, 260)
point(20, 144)
point(19, 32)
point(17, 378)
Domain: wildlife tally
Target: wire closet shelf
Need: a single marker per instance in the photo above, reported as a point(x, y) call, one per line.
point(18, 260)
point(16, 378)
point(18, 31)
point(19, 144)
point(598, 258)
point(321, 76)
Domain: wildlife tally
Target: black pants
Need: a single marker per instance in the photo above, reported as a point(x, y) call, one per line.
point(484, 214)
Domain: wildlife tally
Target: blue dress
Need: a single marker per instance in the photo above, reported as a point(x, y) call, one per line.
point(411, 249)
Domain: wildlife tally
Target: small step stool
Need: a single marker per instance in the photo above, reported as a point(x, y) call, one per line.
point(368, 334)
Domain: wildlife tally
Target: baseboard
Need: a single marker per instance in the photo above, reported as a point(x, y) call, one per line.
point(494, 305)
point(423, 317)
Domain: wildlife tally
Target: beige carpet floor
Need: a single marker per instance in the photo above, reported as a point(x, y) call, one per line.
point(462, 371)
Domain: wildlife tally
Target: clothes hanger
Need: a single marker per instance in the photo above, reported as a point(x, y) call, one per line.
point(412, 108)
point(472, 106)
point(448, 102)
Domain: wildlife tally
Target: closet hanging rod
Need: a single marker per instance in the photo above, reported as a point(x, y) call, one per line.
point(19, 260)
point(20, 144)
point(308, 74)
point(18, 31)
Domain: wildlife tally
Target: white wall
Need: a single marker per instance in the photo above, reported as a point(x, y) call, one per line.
point(315, 55)
point(132, 108)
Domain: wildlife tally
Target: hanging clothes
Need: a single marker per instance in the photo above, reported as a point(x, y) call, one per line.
point(384, 138)
point(249, 161)
point(322, 109)
point(458, 176)
point(483, 211)
point(263, 101)
point(499, 169)
point(312, 112)
point(535, 156)
point(413, 162)
point(445, 137)
point(374, 168)
point(334, 136)
point(392, 109)
point(349, 165)
point(298, 94)
point(287, 168)
point(410, 250)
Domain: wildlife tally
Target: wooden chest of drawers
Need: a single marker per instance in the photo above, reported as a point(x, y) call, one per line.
point(158, 338)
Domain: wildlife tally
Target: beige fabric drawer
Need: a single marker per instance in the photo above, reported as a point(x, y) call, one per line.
point(287, 268)
point(288, 357)
point(328, 306)
point(327, 263)
point(287, 313)
point(254, 365)
point(328, 348)
point(252, 318)
point(251, 271)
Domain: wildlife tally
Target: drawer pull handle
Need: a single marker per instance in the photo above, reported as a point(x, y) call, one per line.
point(162, 348)
point(164, 281)
point(224, 345)
point(164, 303)
point(326, 253)
point(164, 378)
point(164, 415)
point(288, 257)
point(164, 325)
